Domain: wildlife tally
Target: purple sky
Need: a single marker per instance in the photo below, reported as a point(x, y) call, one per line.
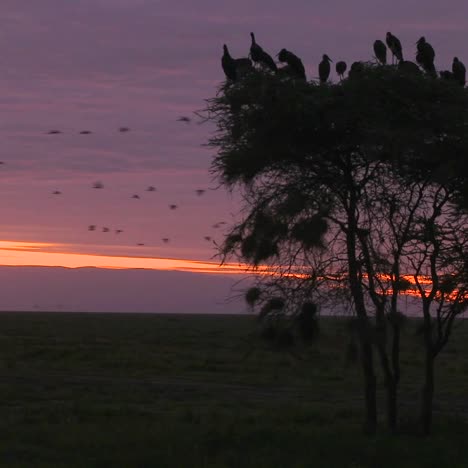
point(102, 64)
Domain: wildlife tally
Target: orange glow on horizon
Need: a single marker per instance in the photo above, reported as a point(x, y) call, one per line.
point(14, 253)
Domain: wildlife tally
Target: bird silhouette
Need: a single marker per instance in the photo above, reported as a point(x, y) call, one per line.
point(92, 227)
point(137, 197)
point(54, 132)
point(173, 207)
point(459, 71)
point(340, 69)
point(380, 51)
point(425, 56)
point(105, 229)
point(57, 192)
point(140, 244)
point(294, 62)
point(2, 162)
point(151, 189)
point(98, 185)
point(408, 67)
point(228, 64)
point(165, 240)
point(184, 118)
point(207, 238)
point(200, 192)
point(124, 129)
point(324, 68)
point(118, 231)
point(394, 45)
point(258, 55)
point(85, 132)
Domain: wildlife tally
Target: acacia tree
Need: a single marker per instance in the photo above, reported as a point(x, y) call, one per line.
point(304, 155)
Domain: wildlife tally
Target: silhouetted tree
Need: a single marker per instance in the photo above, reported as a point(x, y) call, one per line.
point(307, 158)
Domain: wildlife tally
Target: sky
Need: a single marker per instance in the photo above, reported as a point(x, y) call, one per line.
point(99, 65)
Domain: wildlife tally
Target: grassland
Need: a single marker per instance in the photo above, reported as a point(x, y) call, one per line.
point(125, 390)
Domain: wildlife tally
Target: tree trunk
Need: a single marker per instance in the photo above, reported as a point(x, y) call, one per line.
point(427, 394)
point(392, 412)
point(370, 387)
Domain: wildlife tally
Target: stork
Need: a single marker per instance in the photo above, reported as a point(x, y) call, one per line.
point(294, 62)
point(324, 68)
point(380, 51)
point(258, 55)
point(394, 45)
point(425, 56)
point(459, 71)
point(341, 68)
point(228, 64)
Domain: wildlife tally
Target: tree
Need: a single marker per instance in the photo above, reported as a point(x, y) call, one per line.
point(306, 157)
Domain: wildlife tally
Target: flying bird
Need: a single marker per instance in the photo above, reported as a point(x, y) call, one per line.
point(124, 129)
point(394, 45)
point(54, 132)
point(151, 189)
point(258, 55)
point(294, 62)
point(380, 51)
point(459, 71)
point(165, 240)
point(324, 68)
point(140, 244)
point(200, 192)
point(85, 132)
point(57, 192)
point(118, 231)
point(173, 207)
point(137, 197)
point(98, 185)
point(425, 56)
point(207, 238)
point(184, 118)
point(105, 229)
point(92, 227)
point(340, 69)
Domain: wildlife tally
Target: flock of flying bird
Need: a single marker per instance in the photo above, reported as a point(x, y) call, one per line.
point(425, 55)
point(99, 185)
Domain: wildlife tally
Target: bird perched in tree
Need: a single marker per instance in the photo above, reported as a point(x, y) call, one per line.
point(380, 51)
point(406, 66)
point(446, 75)
point(173, 207)
point(324, 68)
point(98, 185)
point(199, 192)
point(294, 62)
point(258, 55)
point(137, 197)
point(228, 64)
point(356, 69)
point(394, 45)
point(425, 56)
point(151, 189)
point(57, 192)
point(459, 71)
point(341, 68)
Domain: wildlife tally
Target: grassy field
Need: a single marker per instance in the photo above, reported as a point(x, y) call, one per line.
point(125, 390)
